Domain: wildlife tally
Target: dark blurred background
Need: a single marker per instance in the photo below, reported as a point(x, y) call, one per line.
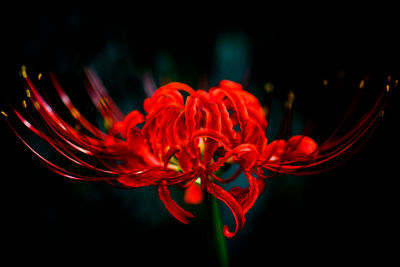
point(321, 55)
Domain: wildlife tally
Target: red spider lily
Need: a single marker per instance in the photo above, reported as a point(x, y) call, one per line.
point(184, 140)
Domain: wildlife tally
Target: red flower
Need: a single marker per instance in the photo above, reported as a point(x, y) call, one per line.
point(184, 139)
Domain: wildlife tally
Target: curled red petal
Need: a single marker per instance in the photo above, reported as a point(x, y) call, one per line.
point(179, 131)
point(210, 133)
point(229, 85)
point(170, 93)
point(301, 146)
point(232, 203)
point(176, 211)
point(246, 196)
point(173, 150)
point(213, 121)
point(130, 121)
point(237, 150)
point(190, 113)
point(253, 191)
point(274, 150)
point(227, 180)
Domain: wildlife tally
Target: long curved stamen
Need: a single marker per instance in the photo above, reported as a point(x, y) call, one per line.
point(57, 169)
point(62, 149)
point(74, 112)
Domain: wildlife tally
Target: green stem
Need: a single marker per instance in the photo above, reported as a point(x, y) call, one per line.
point(219, 235)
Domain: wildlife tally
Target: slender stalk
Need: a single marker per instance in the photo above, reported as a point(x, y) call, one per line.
point(219, 235)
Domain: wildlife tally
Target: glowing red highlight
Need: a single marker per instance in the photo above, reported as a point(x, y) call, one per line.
point(193, 195)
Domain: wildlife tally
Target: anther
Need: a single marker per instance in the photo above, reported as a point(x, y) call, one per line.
point(268, 87)
point(23, 71)
point(362, 84)
point(289, 102)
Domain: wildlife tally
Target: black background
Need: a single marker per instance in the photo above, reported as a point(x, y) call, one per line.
point(346, 214)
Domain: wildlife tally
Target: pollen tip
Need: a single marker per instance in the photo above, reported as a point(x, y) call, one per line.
point(291, 95)
point(37, 105)
point(289, 102)
point(28, 93)
point(268, 87)
point(362, 84)
point(24, 103)
point(23, 71)
point(5, 114)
